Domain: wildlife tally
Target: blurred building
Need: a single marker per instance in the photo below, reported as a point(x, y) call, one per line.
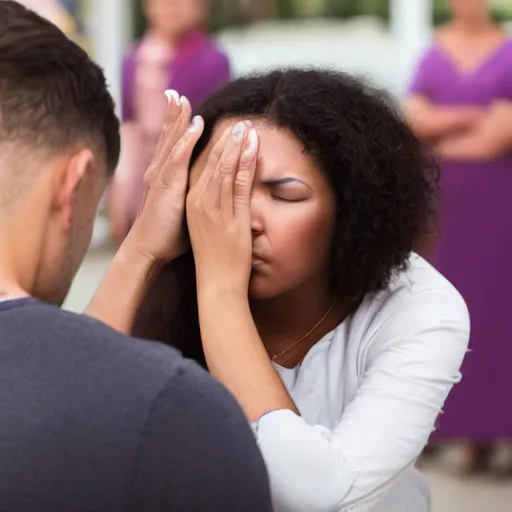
point(56, 11)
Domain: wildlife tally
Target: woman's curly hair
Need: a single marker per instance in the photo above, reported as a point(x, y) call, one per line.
point(385, 184)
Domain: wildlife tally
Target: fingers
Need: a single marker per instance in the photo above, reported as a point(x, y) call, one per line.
point(175, 169)
point(244, 177)
point(227, 166)
point(213, 159)
point(172, 115)
point(226, 182)
point(176, 122)
point(176, 126)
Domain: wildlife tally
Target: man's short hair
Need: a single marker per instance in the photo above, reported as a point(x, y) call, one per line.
point(52, 96)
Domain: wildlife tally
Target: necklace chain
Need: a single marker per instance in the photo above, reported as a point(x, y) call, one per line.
point(275, 357)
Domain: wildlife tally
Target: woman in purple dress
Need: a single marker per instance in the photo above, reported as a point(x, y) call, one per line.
point(175, 53)
point(460, 102)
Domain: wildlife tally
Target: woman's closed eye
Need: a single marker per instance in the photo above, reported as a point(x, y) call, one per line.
point(289, 190)
point(288, 197)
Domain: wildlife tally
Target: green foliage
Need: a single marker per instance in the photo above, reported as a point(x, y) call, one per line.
point(352, 8)
point(342, 8)
point(222, 16)
point(286, 9)
point(139, 21)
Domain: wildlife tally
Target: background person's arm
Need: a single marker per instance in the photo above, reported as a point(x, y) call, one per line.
point(488, 140)
point(121, 190)
point(431, 123)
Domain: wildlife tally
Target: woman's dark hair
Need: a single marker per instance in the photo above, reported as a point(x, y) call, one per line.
point(385, 185)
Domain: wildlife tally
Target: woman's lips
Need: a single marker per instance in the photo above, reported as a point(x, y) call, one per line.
point(257, 260)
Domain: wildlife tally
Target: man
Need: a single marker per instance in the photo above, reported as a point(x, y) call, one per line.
point(92, 419)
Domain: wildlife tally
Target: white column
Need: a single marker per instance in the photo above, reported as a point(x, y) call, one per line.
point(412, 29)
point(110, 28)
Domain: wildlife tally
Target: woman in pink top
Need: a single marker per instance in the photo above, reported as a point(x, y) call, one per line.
point(175, 53)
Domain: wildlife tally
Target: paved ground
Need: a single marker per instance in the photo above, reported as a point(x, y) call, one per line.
point(450, 494)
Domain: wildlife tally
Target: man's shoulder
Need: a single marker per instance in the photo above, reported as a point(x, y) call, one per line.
point(78, 336)
point(129, 374)
point(152, 424)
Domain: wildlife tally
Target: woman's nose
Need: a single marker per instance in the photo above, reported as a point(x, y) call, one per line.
point(256, 214)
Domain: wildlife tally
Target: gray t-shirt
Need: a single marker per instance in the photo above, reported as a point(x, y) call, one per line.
point(93, 420)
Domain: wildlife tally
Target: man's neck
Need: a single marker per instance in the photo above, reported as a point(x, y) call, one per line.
point(20, 247)
point(10, 285)
point(9, 298)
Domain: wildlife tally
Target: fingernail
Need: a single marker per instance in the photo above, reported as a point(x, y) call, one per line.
point(173, 95)
point(251, 145)
point(238, 132)
point(195, 124)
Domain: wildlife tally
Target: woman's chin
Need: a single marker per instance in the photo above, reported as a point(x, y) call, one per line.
point(261, 289)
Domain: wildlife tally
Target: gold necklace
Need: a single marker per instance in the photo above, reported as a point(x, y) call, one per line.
point(275, 357)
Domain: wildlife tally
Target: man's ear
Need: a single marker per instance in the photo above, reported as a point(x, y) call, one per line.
point(72, 175)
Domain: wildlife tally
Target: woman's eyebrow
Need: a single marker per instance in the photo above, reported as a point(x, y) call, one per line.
point(283, 181)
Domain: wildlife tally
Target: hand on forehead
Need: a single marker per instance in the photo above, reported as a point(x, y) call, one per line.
point(281, 154)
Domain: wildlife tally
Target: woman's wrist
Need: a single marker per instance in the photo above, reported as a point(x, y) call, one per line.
point(123, 288)
point(134, 263)
point(217, 288)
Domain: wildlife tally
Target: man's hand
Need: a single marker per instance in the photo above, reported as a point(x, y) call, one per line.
point(158, 232)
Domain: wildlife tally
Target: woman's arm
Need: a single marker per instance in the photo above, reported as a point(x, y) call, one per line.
point(413, 360)
point(490, 139)
point(431, 122)
point(236, 355)
point(219, 222)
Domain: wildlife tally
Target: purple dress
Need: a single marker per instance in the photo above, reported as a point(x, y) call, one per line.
point(474, 250)
point(198, 68)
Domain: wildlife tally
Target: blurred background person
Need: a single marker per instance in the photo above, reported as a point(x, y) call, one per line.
point(174, 53)
point(460, 102)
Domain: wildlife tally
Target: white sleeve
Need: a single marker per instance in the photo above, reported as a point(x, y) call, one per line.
point(413, 359)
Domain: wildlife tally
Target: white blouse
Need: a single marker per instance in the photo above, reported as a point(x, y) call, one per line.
point(369, 393)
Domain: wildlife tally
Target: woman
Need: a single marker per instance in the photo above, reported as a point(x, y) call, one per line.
point(461, 102)
point(175, 53)
point(302, 293)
